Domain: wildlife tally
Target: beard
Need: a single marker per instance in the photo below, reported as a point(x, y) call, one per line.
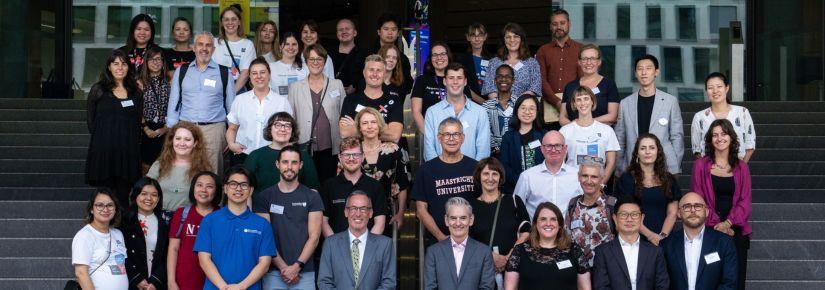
point(559, 34)
point(691, 224)
point(290, 178)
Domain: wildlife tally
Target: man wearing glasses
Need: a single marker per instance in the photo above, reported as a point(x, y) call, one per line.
point(356, 258)
point(295, 213)
point(629, 262)
point(446, 176)
point(553, 180)
point(473, 118)
point(699, 257)
point(334, 192)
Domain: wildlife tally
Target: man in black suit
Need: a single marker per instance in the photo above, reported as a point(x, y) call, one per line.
point(699, 257)
point(629, 262)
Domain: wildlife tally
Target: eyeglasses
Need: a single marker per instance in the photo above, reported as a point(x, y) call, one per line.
point(449, 136)
point(236, 185)
point(282, 125)
point(632, 215)
point(439, 55)
point(315, 59)
point(504, 77)
point(156, 59)
point(553, 147)
point(351, 155)
point(361, 209)
point(589, 59)
point(104, 206)
point(692, 207)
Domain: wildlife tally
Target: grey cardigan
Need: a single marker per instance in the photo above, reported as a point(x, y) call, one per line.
point(301, 101)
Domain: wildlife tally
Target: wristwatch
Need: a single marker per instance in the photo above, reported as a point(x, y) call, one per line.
point(663, 235)
point(300, 264)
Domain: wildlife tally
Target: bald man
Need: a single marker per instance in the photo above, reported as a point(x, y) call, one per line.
point(699, 257)
point(552, 180)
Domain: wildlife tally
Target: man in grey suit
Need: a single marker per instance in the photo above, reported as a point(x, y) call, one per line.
point(650, 110)
point(459, 262)
point(345, 261)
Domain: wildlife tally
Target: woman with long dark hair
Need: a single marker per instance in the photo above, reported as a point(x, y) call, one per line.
point(724, 181)
point(521, 144)
point(515, 53)
point(147, 236)
point(141, 36)
point(657, 191)
point(290, 67)
point(155, 85)
point(114, 114)
point(717, 88)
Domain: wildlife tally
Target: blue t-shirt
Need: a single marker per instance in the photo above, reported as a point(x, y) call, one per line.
point(438, 181)
point(236, 243)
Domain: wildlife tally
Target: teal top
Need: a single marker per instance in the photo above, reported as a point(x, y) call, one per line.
point(261, 162)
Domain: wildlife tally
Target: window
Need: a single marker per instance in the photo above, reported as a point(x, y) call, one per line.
point(185, 12)
point(690, 95)
point(117, 25)
point(654, 22)
point(721, 16)
point(672, 57)
point(608, 68)
point(589, 11)
point(687, 22)
point(211, 19)
point(83, 24)
point(623, 21)
point(636, 51)
point(701, 64)
point(95, 59)
point(157, 15)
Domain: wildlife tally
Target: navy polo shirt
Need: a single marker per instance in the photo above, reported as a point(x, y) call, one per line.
point(235, 242)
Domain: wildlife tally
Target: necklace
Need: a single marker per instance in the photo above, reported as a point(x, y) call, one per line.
point(720, 167)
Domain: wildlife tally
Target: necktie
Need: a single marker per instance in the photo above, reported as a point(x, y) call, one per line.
point(356, 255)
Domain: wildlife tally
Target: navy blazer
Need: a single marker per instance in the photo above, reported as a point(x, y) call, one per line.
point(511, 156)
point(716, 275)
point(610, 268)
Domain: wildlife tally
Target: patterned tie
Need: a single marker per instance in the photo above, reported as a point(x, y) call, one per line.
point(356, 255)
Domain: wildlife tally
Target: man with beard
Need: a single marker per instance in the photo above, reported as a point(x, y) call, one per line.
point(588, 215)
point(558, 61)
point(295, 213)
point(334, 191)
point(699, 257)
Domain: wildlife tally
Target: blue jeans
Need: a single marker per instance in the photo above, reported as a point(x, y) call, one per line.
point(272, 281)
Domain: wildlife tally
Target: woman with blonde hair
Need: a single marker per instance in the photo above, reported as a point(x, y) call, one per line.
point(267, 41)
point(183, 155)
point(232, 48)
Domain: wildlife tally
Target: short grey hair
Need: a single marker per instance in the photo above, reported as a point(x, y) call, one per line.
point(589, 162)
point(457, 201)
point(203, 33)
point(359, 192)
point(450, 121)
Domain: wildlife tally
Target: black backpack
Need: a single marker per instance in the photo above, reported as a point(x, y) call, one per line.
point(224, 79)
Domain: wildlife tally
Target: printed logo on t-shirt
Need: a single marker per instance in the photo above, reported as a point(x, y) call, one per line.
point(120, 268)
point(192, 230)
point(454, 185)
point(252, 231)
point(340, 200)
point(301, 204)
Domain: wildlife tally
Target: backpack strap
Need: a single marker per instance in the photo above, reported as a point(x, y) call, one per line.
point(224, 79)
point(181, 75)
point(183, 219)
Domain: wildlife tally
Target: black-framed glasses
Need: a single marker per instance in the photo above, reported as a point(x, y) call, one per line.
point(282, 125)
point(361, 209)
point(351, 155)
point(692, 207)
point(104, 206)
point(552, 147)
point(236, 185)
point(632, 215)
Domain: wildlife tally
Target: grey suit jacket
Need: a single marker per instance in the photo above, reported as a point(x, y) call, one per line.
point(377, 270)
point(665, 123)
point(476, 267)
point(301, 101)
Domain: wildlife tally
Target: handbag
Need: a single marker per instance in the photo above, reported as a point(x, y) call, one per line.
point(51, 89)
point(74, 285)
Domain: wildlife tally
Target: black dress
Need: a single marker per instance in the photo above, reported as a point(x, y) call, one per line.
point(512, 221)
point(114, 125)
point(540, 267)
point(653, 199)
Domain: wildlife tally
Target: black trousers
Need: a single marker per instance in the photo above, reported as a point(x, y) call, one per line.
point(742, 243)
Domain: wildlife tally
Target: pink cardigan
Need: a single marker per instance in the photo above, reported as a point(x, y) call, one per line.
point(702, 184)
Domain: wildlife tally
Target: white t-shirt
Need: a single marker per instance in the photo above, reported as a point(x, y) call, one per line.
point(593, 140)
point(90, 247)
point(243, 50)
point(149, 225)
point(283, 75)
point(251, 115)
point(269, 57)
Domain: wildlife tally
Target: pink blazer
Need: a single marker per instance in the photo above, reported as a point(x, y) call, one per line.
point(702, 184)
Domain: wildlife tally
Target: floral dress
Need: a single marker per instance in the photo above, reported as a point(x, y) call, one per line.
point(391, 169)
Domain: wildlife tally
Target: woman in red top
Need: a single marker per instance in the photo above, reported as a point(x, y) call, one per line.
point(183, 270)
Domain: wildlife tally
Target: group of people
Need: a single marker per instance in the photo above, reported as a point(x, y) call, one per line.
point(525, 179)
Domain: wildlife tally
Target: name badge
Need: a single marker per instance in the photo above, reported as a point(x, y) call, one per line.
point(495, 250)
point(465, 124)
point(595, 90)
point(209, 83)
point(283, 90)
point(712, 258)
point(276, 209)
point(663, 121)
point(535, 144)
point(485, 63)
point(564, 264)
point(576, 224)
point(359, 107)
point(126, 103)
point(335, 94)
point(508, 112)
point(518, 66)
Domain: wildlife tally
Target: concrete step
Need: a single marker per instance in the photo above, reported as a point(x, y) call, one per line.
point(813, 117)
point(42, 115)
point(784, 195)
point(27, 139)
point(54, 104)
point(42, 166)
point(788, 230)
point(36, 247)
point(775, 181)
point(787, 249)
point(784, 129)
point(780, 154)
point(42, 179)
point(33, 209)
point(33, 283)
point(783, 285)
point(776, 167)
point(45, 228)
point(34, 267)
point(761, 106)
point(787, 269)
point(64, 127)
point(782, 211)
point(43, 152)
point(81, 193)
point(775, 142)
